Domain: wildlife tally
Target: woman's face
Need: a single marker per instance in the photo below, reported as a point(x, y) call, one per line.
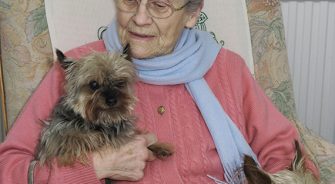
point(149, 37)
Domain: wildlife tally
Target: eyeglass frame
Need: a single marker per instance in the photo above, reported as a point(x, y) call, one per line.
point(174, 9)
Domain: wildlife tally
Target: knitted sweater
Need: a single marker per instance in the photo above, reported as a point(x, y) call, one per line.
point(267, 131)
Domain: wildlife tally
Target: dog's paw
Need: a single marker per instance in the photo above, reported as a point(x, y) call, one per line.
point(161, 150)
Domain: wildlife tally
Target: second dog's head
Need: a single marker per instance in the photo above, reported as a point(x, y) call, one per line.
point(296, 174)
point(99, 86)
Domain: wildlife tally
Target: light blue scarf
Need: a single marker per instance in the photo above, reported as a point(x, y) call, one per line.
point(193, 56)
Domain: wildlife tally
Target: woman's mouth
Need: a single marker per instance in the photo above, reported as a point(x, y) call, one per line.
point(140, 36)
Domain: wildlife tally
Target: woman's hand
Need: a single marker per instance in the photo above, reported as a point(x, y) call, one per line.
point(126, 163)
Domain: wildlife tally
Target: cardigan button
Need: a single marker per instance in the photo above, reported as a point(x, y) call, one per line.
point(161, 110)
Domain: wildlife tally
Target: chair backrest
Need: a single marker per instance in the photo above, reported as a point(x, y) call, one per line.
point(76, 22)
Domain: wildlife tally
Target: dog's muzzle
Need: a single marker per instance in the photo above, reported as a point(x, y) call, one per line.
point(111, 97)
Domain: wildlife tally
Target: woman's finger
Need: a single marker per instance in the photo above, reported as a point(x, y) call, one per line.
point(151, 156)
point(150, 138)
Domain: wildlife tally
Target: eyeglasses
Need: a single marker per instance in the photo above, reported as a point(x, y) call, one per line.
point(156, 8)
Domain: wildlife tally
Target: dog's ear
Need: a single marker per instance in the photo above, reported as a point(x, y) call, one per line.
point(126, 52)
point(299, 157)
point(253, 174)
point(65, 63)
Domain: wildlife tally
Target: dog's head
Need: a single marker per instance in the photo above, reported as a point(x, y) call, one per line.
point(297, 173)
point(99, 86)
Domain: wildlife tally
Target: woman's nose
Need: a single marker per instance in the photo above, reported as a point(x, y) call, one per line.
point(142, 16)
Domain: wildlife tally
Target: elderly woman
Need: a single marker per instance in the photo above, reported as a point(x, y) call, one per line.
point(192, 93)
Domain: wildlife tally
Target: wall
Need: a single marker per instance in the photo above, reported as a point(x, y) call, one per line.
point(310, 38)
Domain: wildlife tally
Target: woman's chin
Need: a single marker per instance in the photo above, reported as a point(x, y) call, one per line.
point(143, 53)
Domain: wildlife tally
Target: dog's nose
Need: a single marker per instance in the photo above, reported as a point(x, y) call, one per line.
point(111, 97)
point(111, 101)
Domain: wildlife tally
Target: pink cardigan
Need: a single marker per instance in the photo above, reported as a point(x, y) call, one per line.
point(268, 132)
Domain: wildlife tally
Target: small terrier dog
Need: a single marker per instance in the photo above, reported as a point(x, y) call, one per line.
point(296, 174)
point(95, 112)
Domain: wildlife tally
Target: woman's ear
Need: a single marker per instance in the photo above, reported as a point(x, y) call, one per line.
point(193, 17)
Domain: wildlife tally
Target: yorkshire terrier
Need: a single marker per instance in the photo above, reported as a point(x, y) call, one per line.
point(95, 112)
point(296, 174)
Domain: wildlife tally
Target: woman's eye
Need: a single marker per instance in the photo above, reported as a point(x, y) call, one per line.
point(94, 85)
point(130, 2)
point(159, 6)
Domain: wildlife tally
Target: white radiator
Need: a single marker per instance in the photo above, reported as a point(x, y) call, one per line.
point(310, 37)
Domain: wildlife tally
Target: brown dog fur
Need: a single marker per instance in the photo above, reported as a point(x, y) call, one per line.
point(296, 174)
point(95, 112)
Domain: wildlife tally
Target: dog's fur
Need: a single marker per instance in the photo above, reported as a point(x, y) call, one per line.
point(95, 111)
point(296, 174)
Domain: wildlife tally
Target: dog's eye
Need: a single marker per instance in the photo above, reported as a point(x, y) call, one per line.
point(120, 84)
point(94, 85)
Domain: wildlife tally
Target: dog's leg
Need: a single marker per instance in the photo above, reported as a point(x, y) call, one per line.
point(161, 150)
